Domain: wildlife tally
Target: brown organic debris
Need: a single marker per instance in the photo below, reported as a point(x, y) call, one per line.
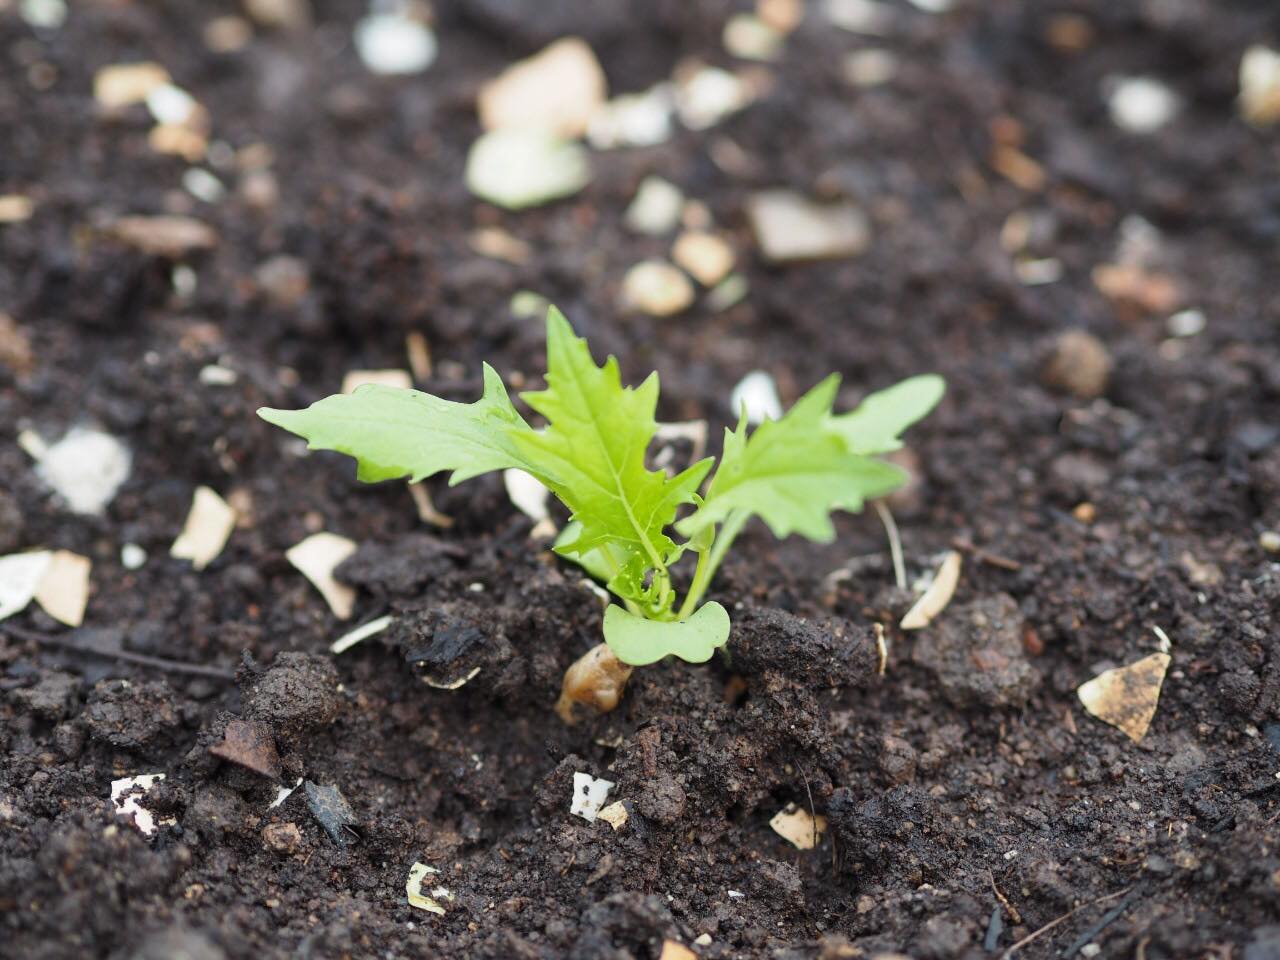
point(1126, 697)
point(249, 744)
point(597, 680)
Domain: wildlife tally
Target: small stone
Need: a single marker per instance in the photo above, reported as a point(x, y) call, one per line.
point(284, 280)
point(132, 556)
point(203, 185)
point(868, 17)
point(249, 744)
point(316, 558)
point(1260, 86)
point(655, 209)
point(799, 827)
point(283, 838)
point(657, 288)
point(168, 236)
point(124, 84)
point(331, 810)
point(1080, 364)
point(1141, 105)
point(44, 14)
point(209, 525)
point(1186, 323)
point(790, 227)
point(1127, 697)
point(394, 44)
point(706, 95)
point(521, 168)
point(708, 257)
point(557, 90)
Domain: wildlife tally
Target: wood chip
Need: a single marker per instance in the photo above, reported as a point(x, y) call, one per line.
point(316, 557)
point(209, 524)
point(1126, 697)
point(798, 827)
point(557, 90)
point(935, 599)
point(383, 378)
point(64, 588)
point(123, 84)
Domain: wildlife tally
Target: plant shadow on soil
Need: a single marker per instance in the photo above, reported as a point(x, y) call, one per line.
point(964, 781)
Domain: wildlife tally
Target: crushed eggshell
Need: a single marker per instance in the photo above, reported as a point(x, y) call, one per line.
point(657, 288)
point(393, 44)
point(132, 556)
point(798, 827)
point(936, 597)
point(749, 38)
point(589, 795)
point(316, 558)
point(20, 576)
point(209, 524)
point(790, 227)
point(558, 90)
point(706, 95)
point(283, 794)
point(383, 378)
point(518, 167)
point(86, 467)
point(656, 207)
point(16, 207)
point(123, 84)
point(1141, 105)
point(633, 120)
point(413, 890)
point(363, 632)
point(64, 589)
point(126, 801)
point(756, 396)
point(615, 814)
point(1126, 697)
point(707, 256)
point(530, 497)
point(671, 950)
point(1260, 86)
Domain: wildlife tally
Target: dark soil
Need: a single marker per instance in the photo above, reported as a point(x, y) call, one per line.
point(971, 801)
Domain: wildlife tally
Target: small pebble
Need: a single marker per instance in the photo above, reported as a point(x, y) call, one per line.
point(633, 120)
point(655, 209)
point(1141, 105)
point(657, 288)
point(44, 14)
point(132, 556)
point(1080, 364)
point(1269, 540)
point(1260, 86)
point(707, 256)
point(870, 68)
point(750, 38)
point(520, 168)
point(393, 44)
point(790, 227)
point(557, 90)
point(708, 95)
point(1186, 323)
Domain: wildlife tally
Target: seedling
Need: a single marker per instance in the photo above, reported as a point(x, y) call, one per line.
point(792, 473)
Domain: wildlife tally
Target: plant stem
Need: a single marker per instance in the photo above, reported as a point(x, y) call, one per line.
point(709, 561)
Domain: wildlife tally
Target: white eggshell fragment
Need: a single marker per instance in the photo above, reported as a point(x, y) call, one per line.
point(589, 795)
point(317, 557)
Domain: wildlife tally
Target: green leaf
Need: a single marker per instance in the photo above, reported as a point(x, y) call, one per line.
point(793, 472)
point(878, 422)
point(406, 433)
point(594, 447)
point(637, 641)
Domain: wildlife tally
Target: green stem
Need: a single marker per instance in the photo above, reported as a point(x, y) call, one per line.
point(709, 561)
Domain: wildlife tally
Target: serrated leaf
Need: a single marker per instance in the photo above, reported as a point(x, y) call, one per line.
point(595, 447)
point(637, 641)
point(792, 473)
point(396, 433)
point(877, 423)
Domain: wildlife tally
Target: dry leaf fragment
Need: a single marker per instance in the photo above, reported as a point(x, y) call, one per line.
point(935, 599)
point(64, 588)
point(798, 827)
point(316, 557)
point(209, 524)
point(1126, 697)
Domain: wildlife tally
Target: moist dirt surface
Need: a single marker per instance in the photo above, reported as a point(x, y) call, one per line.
point(1097, 491)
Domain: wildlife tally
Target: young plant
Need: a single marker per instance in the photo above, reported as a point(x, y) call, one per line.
point(792, 473)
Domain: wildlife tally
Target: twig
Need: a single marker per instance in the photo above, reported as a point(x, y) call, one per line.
point(1053, 923)
point(141, 659)
point(985, 556)
point(1013, 911)
point(895, 543)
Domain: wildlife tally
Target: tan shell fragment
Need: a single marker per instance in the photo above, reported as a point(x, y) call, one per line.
point(64, 588)
point(798, 827)
point(1126, 697)
point(935, 599)
point(209, 524)
point(317, 557)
